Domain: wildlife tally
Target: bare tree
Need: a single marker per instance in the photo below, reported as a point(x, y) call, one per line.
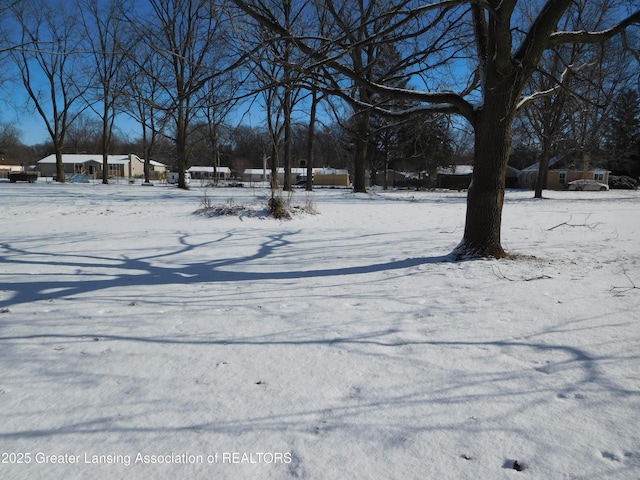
point(276, 68)
point(218, 100)
point(623, 134)
point(506, 64)
point(267, 74)
point(104, 34)
point(434, 38)
point(573, 88)
point(83, 135)
point(186, 36)
point(362, 28)
point(48, 63)
point(544, 117)
point(9, 137)
point(144, 92)
point(311, 135)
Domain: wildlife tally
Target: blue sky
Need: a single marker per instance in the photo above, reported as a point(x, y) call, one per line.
point(34, 131)
point(15, 110)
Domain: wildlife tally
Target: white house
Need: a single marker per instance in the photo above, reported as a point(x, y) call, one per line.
point(254, 175)
point(321, 176)
point(222, 173)
point(125, 166)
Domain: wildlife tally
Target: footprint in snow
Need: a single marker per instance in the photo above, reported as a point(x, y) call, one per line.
point(571, 396)
point(632, 458)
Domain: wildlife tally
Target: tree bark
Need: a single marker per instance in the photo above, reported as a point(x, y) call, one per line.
point(482, 233)
point(360, 155)
point(181, 145)
point(543, 171)
point(60, 176)
point(363, 130)
point(493, 133)
point(287, 144)
point(311, 138)
point(106, 134)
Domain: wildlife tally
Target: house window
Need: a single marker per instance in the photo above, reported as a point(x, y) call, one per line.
point(598, 177)
point(563, 178)
point(116, 170)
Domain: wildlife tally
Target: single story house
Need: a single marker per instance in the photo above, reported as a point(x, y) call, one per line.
point(256, 175)
point(458, 177)
point(207, 173)
point(123, 166)
point(322, 177)
point(512, 177)
point(7, 166)
point(395, 179)
point(562, 170)
point(455, 177)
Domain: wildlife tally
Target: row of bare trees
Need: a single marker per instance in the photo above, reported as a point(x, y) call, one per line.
point(165, 63)
point(180, 66)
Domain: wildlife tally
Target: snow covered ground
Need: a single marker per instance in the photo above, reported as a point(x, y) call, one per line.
point(140, 340)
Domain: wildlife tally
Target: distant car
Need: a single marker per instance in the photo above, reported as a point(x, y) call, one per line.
point(584, 184)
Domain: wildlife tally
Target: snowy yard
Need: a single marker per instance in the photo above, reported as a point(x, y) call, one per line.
point(139, 340)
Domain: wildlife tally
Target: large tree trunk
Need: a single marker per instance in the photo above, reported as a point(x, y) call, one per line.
point(60, 176)
point(105, 144)
point(146, 153)
point(493, 132)
point(182, 167)
point(105, 169)
point(359, 174)
point(181, 146)
point(275, 164)
point(147, 176)
point(360, 154)
point(543, 172)
point(311, 139)
point(288, 153)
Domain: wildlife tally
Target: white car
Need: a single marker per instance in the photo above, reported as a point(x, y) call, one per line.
point(585, 184)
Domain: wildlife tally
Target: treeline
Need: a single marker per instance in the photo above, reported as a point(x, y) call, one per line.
point(243, 146)
point(326, 79)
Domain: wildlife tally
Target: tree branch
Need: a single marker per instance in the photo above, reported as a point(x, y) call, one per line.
point(537, 38)
point(526, 101)
point(618, 291)
point(481, 31)
point(448, 102)
point(584, 36)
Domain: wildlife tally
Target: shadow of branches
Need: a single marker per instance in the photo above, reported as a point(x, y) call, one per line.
point(147, 270)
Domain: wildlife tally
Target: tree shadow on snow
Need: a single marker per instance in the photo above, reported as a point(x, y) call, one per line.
point(506, 387)
point(576, 367)
point(146, 271)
